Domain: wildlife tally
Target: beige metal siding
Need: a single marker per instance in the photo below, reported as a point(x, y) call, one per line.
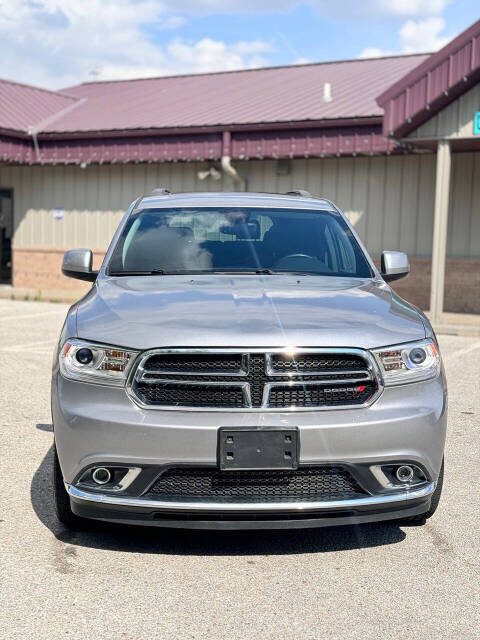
point(388, 198)
point(93, 199)
point(454, 121)
point(463, 239)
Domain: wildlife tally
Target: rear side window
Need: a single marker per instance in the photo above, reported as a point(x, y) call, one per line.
point(209, 239)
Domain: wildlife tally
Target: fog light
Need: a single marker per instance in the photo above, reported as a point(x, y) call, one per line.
point(101, 475)
point(84, 355)
point(405, 473)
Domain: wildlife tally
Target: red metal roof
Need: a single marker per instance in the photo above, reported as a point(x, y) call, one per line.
point(272, 113)
point(23, 106)
point(278, 94)
point(433, 84)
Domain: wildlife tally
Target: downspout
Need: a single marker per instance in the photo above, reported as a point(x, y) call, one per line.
point(226, 162)
point(32, 132)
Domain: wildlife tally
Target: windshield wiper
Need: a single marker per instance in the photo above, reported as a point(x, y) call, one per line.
point(152, 272)
point(162, 272)
point(268, 272)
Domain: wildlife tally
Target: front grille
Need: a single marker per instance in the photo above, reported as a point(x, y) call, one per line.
point(315, 396)
point(311, 362)
point(195, 363)
point(254, 380)
point(188, 395)
point(321, 483)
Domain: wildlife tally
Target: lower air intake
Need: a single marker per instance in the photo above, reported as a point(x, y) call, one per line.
point(309, 483)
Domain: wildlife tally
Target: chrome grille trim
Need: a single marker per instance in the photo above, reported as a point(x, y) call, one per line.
point(371, 372)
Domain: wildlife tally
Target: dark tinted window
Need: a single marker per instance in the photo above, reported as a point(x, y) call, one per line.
point(238, 239)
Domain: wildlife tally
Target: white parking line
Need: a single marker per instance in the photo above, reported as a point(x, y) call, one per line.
point(462, 352)
point(32, 315)
point(29, 345)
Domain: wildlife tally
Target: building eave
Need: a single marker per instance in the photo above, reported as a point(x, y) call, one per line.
point(339, 137)
point(432, 85)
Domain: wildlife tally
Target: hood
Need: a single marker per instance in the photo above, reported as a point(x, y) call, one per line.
point(245, 311)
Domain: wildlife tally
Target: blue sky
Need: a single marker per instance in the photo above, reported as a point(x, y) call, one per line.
point(57, 43)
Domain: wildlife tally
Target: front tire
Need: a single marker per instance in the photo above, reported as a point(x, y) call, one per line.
point(61, 498)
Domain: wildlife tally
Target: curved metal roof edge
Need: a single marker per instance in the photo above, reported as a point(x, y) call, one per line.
point(429, 64)
point(396, 125)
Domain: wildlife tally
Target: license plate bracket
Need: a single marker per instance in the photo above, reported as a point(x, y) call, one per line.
point(267, 448)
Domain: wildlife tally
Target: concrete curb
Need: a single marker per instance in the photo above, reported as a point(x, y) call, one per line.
point(37, 295)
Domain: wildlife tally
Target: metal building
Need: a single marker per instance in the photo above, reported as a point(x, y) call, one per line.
point(395, 141)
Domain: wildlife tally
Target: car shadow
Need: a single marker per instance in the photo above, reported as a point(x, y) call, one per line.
point(140, 539)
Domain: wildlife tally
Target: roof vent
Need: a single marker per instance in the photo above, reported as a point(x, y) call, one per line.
point(327, 92)
point(160, 191)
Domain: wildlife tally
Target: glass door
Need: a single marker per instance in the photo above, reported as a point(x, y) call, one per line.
point(6, 232)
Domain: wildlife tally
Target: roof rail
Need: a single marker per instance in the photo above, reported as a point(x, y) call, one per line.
point(160, 191)
point(299, 192)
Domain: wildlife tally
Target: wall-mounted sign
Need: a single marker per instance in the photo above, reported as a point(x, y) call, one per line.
point(58, 213)
point(476, 124)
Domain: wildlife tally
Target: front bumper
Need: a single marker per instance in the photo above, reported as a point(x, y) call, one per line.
point(97, 425)
point(196, 515)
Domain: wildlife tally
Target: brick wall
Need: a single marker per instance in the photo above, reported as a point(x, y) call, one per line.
point(462, 284)
point(40, 270)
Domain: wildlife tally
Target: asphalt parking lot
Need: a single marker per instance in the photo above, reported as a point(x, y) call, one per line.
point(133, 583)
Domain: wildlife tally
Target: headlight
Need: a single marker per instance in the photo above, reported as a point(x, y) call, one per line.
point(88, 362)
point(409, 362)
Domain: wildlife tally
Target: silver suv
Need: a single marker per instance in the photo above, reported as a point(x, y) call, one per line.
point(240, 362)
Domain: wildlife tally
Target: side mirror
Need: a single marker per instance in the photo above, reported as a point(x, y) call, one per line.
point(395, 265)
point(77, 263)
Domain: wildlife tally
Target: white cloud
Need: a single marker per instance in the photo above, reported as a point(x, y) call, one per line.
point(214, 55)
point(416, 36)
point(374, 52)
point(56, 43)
point(180, 56)
point(412, 8)
point(173, 22)
point(209, 7)
point(423, 35)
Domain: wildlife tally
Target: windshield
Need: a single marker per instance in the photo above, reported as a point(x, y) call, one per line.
point(237, 239)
